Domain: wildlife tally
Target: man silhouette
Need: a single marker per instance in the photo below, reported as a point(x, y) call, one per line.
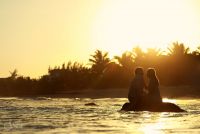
point(135, 95)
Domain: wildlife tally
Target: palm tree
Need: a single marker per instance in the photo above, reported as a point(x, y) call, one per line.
point(196, 52)
point(137, 51)
point(178, 49)
point(13, 75)
point(153, 52)
point(99, 61)
point(126, 60)
point(138, 55)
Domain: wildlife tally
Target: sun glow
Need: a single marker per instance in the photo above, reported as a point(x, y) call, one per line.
point(154, 127)
point(121, 25)
point(169, 100)
point(38, 34)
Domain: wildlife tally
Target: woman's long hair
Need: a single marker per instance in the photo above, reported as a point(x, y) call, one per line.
point(151, 74)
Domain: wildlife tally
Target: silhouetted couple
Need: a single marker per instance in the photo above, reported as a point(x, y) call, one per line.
point(141, 96)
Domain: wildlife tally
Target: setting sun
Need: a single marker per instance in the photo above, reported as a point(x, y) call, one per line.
point(121, 25)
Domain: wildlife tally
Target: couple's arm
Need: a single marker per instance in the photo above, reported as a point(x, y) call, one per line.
point(145, 87)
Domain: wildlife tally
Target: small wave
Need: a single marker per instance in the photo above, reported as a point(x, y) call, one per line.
point(38, 98)
point(49, 108)
point(39, 127)
point(10, 98)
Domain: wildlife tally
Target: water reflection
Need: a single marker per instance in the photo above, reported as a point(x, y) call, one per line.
point(57, 115)
point(155, 125)
point(169, 100)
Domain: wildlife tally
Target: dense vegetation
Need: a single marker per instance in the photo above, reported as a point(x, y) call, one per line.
point(178, 66)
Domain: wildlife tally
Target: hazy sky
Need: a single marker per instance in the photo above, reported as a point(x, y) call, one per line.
point(37, 33)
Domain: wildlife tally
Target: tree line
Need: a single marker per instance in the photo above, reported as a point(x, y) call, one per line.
point(178, 66)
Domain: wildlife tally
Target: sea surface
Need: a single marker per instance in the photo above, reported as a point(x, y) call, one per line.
point(63, 115)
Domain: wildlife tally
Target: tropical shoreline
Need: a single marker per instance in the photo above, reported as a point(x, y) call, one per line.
point(166, 92)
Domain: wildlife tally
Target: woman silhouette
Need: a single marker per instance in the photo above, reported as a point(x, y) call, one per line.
point(154, 96)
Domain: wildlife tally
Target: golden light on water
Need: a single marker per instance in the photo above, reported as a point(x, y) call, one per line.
point(158, 124)
point(153, 128)
point(159, 121)
point(169, 100)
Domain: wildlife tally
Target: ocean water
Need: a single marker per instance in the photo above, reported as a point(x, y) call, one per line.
point(63, 115)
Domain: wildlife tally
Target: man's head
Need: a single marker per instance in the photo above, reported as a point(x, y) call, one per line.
point(139, 71)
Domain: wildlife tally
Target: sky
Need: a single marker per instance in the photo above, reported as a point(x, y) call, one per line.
point(36, 34)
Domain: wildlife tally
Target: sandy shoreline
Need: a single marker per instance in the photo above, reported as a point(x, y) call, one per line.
point(93, 93)
point(166, 92)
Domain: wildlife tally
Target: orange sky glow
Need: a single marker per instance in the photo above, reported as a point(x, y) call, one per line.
point(36, 34)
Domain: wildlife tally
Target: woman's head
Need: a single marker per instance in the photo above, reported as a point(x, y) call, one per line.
point(151, 72)
point(139, 71)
